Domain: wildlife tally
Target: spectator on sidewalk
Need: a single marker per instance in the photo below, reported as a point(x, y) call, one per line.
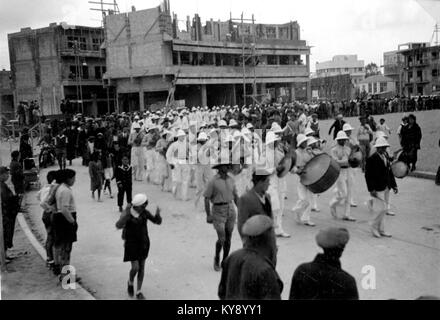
point(136, 240)
point(64, 223)
point(324, 278)
point(10, 206)
point(17, 175)
point(46, 197)
point(411, 138)
point(249, 273)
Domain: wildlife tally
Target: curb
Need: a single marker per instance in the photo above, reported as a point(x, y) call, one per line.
point(422, 175)
point(42, 252)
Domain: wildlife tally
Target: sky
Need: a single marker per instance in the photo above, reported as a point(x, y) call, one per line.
point(363, 27)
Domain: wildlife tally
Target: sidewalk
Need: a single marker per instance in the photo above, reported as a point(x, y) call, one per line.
point(27, 277)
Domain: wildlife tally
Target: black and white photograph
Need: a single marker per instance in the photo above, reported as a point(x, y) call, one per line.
point(202, 150)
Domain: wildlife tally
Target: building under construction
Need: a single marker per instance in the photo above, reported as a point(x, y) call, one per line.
point(58, 62)
point(150, 61)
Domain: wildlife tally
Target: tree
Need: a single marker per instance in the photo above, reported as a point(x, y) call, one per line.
point(372, 69)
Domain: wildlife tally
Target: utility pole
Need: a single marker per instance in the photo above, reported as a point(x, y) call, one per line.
point(2, 242)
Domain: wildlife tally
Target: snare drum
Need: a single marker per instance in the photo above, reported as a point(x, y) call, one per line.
point(321, 173)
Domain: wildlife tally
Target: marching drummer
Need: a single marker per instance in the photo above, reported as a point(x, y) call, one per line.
point(353, 144)
point(341, 153)
point(302, 208)
point(315, 148)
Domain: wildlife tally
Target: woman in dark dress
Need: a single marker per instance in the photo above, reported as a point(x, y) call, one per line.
point(72, 137)
point(411, 138)
point(133, 221)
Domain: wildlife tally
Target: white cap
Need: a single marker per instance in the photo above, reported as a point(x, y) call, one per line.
point(181, 133)
point(381, 134)
point(136, 125)
point(311, 140)
point(233, 123)
point(381, 142)
point(222, 123)
point(271, 137)
point(308, 131)
point(202, 137)
point(300, 139)
point(276, 128)
point(347, 127)
point(250, 126)
point(193, 123)
point(136, 118)
point(139, 200)
point(341, 136)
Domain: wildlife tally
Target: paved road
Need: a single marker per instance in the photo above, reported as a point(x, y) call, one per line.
point(181, 255)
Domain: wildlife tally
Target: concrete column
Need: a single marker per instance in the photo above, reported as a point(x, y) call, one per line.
point(179, 59)
point(263, 88)
point(234, 95)
point(292, 91)
point(141, 100)
point(204, 96)
point(309, 91)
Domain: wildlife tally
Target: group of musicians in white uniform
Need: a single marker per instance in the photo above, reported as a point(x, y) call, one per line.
point(181, 153)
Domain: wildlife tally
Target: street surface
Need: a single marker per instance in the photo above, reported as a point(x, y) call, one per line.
point(182, 248)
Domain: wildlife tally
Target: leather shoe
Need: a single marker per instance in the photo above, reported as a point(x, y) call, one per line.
point(349, 219)
point(309, 224)
point(283, 235)
point(216, 265)
point(390, 213)
point(386, 235)
point(376, 233)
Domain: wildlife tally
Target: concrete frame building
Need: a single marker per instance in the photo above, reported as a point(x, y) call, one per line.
point(148, 57)
point(421, 69)
point(6, 95)
point(393, 68)
point(378, 85)
point(60, 62)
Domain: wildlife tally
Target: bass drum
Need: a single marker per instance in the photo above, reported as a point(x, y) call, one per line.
point(400, 169)
point(320, 174)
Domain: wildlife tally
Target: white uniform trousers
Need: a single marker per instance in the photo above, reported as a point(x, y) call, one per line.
point(343, 192)
point(304, 204)
point(277, 195)
point(380, 208)
point(181, 177)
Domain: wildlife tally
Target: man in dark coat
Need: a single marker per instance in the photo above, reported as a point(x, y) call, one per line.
point(337, 126)
point(323, 278)
point(249, 273)
point(380, 180)
point(411, 138)
point(9, 203)
point(256, 201)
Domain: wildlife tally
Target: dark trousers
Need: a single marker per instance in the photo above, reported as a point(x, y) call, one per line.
point(124, 189)
point(50, 235)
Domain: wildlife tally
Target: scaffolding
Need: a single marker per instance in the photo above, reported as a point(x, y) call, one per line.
point(107, 8)
point(249, 52)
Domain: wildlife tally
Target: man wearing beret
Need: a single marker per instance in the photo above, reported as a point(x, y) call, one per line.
point(323, 278)
point(249, 273)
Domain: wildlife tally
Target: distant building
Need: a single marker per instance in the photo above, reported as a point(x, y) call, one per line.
point(394, 64)
point(6, 95)
point(342, 64)
point(378, 85)
point(421, 74)
point(149, 58)
point(60, 62)
point(336, 88)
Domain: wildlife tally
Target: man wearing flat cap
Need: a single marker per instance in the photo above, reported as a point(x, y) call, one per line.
point(249, 273)
point(323, 278)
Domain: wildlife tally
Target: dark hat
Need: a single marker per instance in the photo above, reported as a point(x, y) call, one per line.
point(4, 170)
point(257, 225)
point(332, 238)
